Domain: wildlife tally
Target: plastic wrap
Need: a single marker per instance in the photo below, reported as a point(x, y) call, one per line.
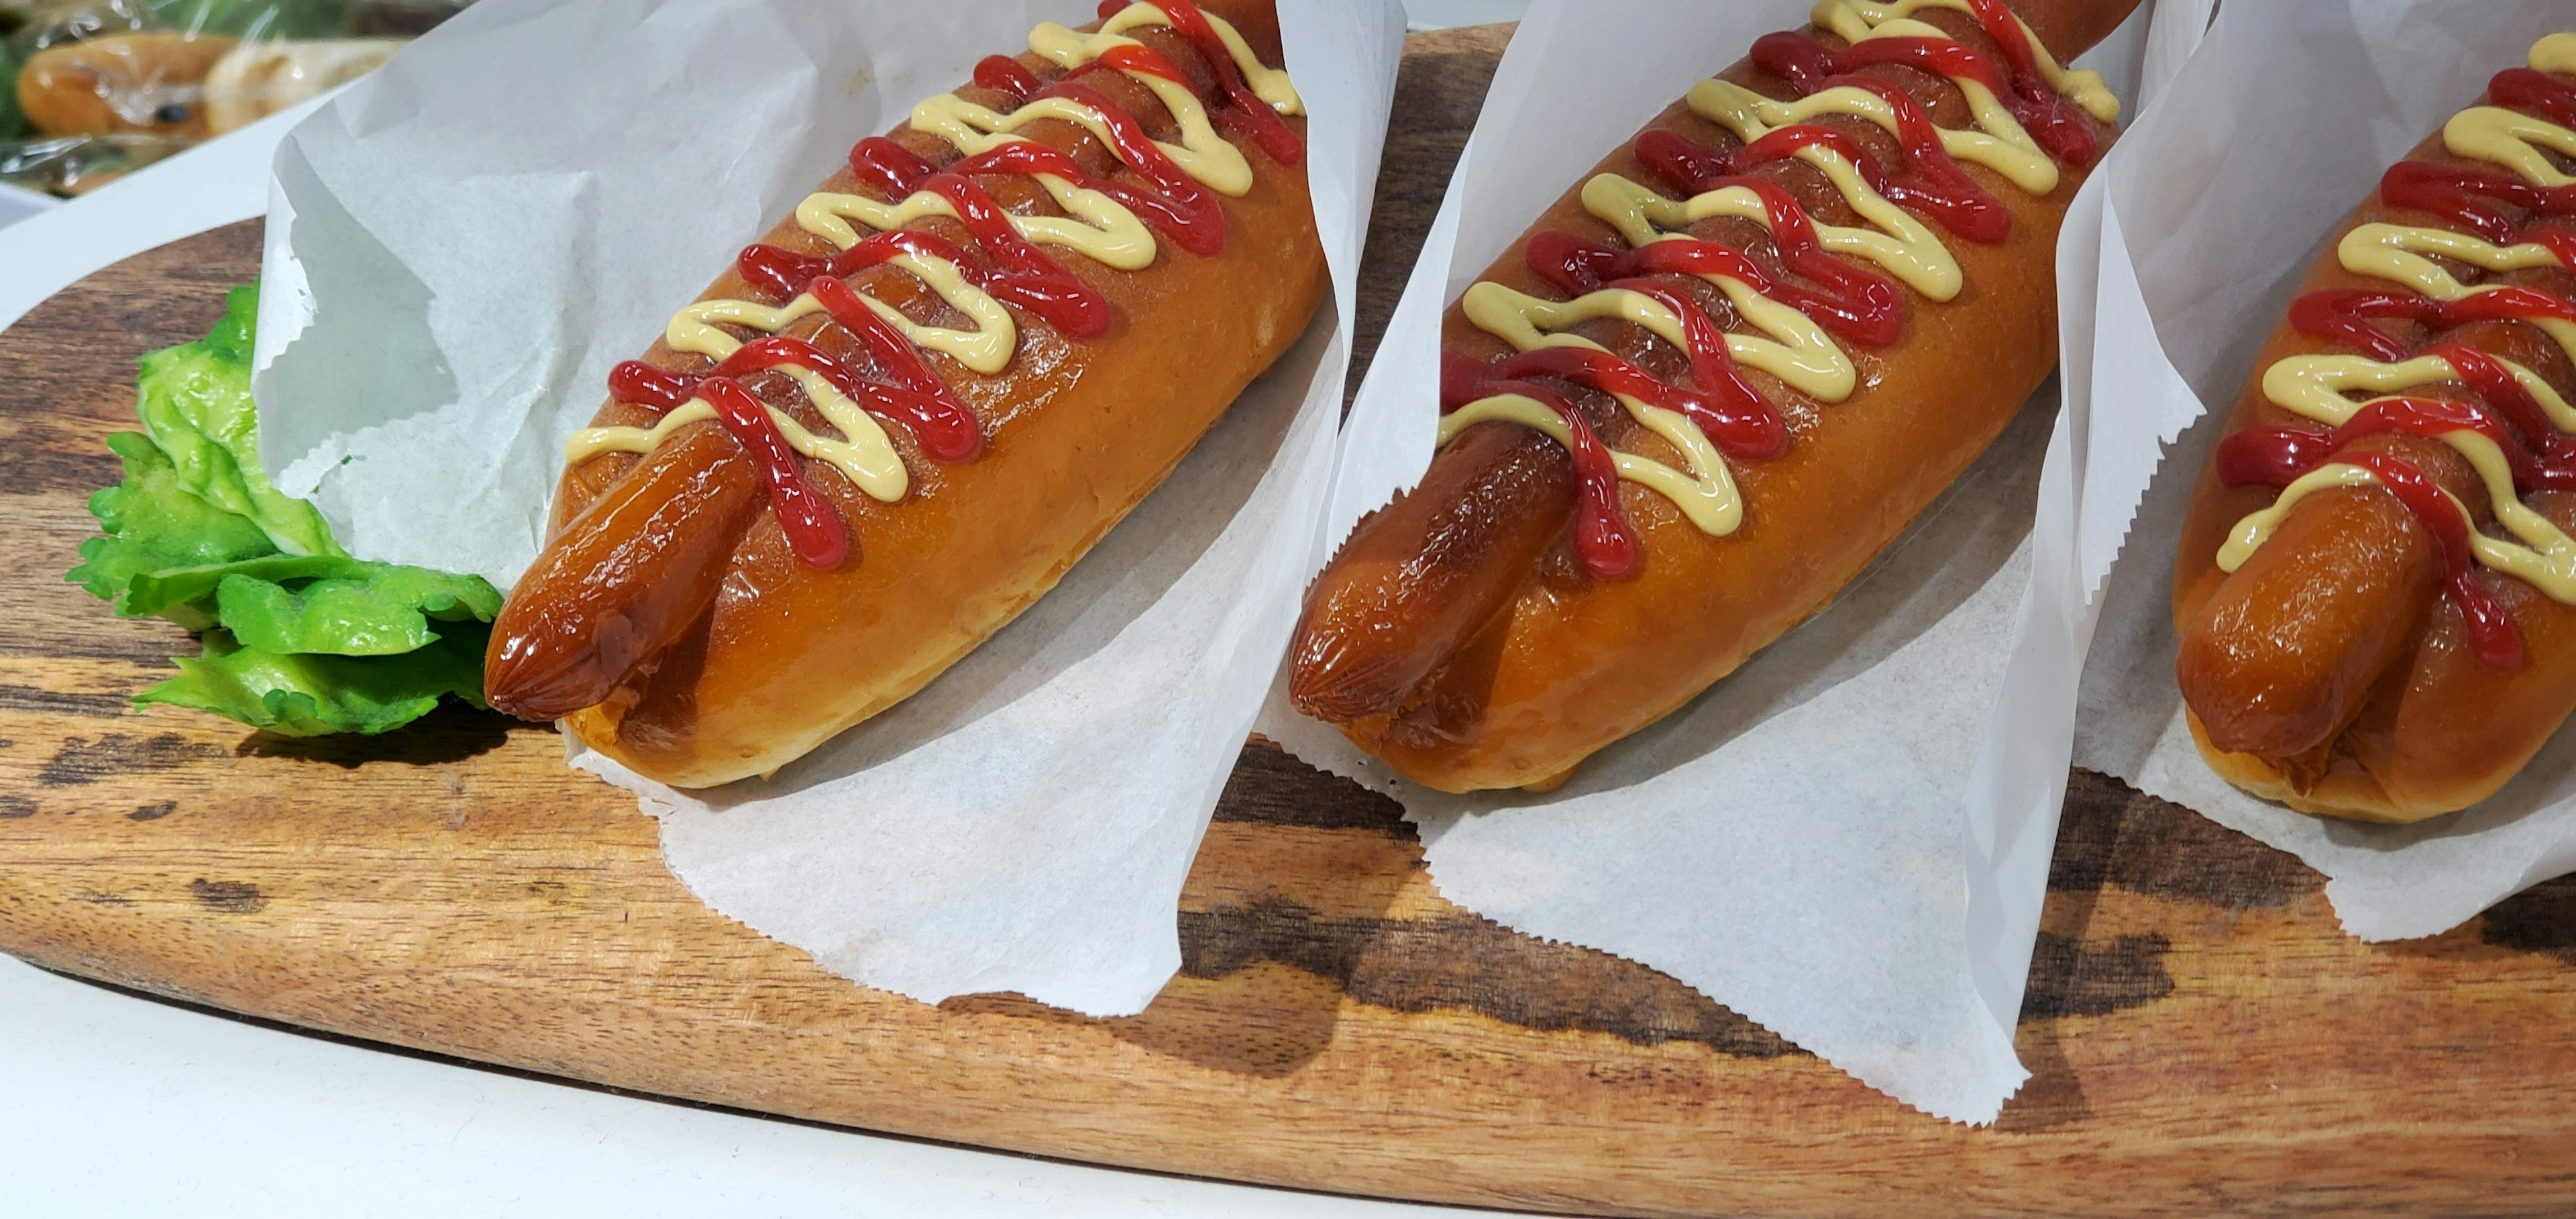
point(93, 89)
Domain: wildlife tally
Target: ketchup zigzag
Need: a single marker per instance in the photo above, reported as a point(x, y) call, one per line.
point(2029, 118)
point(2514, 427)
point(1115, 223)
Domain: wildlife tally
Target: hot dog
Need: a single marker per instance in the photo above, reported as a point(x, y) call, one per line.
point(1750, 348)
point(2374, 586)
point(150, 82)
point(902, 416)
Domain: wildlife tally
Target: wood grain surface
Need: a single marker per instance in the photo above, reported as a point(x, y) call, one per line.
point(2203, 1038)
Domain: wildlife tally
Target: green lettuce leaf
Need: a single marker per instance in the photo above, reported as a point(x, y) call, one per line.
point(370, 610)
point(155, 526)
point(312, 695)
point(13, 121)
point(196, 406)
point(301, 639)
point(161, 590)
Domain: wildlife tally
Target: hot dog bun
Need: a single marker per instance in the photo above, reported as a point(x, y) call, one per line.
point(698, 665)
point(150, 82)
point(2334, 664)
point(1607, 632)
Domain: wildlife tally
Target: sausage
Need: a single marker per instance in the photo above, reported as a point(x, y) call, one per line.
point(1442, 559)
point(624, 579)
point(2279, 658)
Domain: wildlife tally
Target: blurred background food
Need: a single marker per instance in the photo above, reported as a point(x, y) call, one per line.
point(93, 89)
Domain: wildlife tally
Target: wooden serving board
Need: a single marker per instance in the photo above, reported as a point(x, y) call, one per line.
point(2202, 1036)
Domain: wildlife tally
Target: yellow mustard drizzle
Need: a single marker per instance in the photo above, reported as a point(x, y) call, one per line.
point(1791, 346)
point(2083, 86)
point(1902, 245)
point(1095, 226)
point(1798, 351)
point(1706, 494)
point(1099, 228)
point(2317, 387)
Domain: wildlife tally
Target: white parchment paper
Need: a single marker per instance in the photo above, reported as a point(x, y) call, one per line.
point(2198, 231)
point(1797, 844)
point(463, 244)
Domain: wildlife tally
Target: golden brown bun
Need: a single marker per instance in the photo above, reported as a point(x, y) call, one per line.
point(1571, 663)
point(2329, 672)
point(1078, 431)
point(2345, 790)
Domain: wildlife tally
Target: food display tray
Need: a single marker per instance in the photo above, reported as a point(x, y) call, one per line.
point(2200, 1033)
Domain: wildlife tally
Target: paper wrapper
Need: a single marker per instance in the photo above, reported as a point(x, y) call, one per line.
point(462, 246)
point(2207, 217)
point(1810, 843)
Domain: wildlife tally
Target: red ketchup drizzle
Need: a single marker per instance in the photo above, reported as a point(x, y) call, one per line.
point(1849, 300)
point(1725, 407)
point(2058, 118)
point(1249, 117)
point(1603, 540)
point(2276, 456)
point(814, 530)
point(1932, 183)
point(2553, 450)
point(1753, 435)
point(1187, 198)
point(1184, 210)
point(1003, 74)
point(2053, 122)
point(1186, 213)
point(2459, 193)
point(2273, 456)
point(2533, 92)
point(1137, 59)
point(943, 428)
point(2346, 314)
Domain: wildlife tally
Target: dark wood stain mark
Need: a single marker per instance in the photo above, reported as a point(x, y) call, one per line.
point(228, 896)
point(1269, 787)
point(99, 897)
point(104, 638)
point(2071, 978)
point(1441, 93)
point(58, 702)
point(1472, 964)
point(2540, 919)
point(2053, 1096)
point(2116, 835)
point(17, 808)
point(83, 761)
point(39, 456)
point(153, 812)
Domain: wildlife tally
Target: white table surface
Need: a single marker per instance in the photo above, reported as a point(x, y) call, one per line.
point(123, 1106)
point(117, 1105)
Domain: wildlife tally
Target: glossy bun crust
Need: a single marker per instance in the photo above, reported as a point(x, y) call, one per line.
point(1572, 663)
point(1078, 431)
point(2329, 672)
